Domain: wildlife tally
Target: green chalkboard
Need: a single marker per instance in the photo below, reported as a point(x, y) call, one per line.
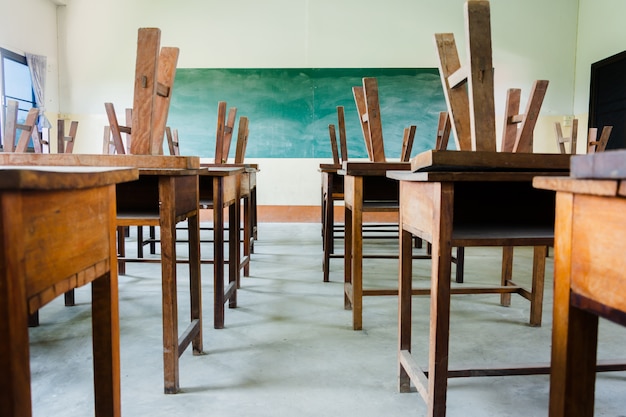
point(290, 109)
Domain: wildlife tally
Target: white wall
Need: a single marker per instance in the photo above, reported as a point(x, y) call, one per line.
point(601, 33)
point(31, 26)
point(532, 39)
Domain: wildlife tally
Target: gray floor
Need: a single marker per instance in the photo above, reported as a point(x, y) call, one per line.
point(289, 350)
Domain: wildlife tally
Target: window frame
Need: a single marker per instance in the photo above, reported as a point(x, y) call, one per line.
point(20, 59)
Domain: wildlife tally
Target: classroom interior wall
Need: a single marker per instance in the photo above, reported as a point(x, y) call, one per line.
point(91, 48)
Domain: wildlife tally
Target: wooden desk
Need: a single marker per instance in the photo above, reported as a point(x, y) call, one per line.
point(366, 188)
point(220, 187)
point(165, 193)
point(466, 209)
point(589, 281)
point(46, 250)
point(247, 189)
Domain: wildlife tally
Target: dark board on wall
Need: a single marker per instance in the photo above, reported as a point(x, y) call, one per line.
point(290, 109)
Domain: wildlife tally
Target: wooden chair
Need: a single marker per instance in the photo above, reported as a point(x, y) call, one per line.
point(518, 128)
point(572, 139)
point(28, 129)
point(225, 128)
point(594, 145)
point(62, 139)
point(172, 140)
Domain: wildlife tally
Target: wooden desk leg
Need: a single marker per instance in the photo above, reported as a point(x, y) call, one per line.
point(347, 257)
point(195, 281)
point(357, 254)
point(167, 224)
point(106, 344)
point(574, 332)
point(233, 251)
point(14, 348)
point(254, 217)
point(573, 375)
point(404, 303)
point(440, 301)
point(247, 234)
point(328, 226)
point(218, 254)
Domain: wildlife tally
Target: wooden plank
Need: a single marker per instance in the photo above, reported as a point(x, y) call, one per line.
point(370, 89)
point(359, 100)
point(242, 140)
point(574, 137)
point(333, 143)
point(166, 72)
point(229, 127)
point(509, 135)
point(10, 126)
point(220, 158)
point(434, 160)
point(480, 77)
point(443, 131)
point(407, 143)
point(28, 130)
point(604, 138)
point(457, 99)
point(115, 128)
point(343, 142)
point(71, 138)
point(148, 48)
point(524, 141)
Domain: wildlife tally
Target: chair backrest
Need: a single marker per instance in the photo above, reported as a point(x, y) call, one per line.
point(518, 128)
point(339, 151)
point(368, 108)
point(155, 69)
point(70, 138)
point(594, 145)
point(242, 140)
point(443, 131)
point(172, 140)
point(224, 133)
point(571, 139)
point(28, 129)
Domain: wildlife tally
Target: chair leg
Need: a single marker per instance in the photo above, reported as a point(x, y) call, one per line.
point(539, 272)
point(460, 264)
point(121, 249)
point(507, 273)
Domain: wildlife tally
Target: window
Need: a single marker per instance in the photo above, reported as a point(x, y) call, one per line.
point(16, 85)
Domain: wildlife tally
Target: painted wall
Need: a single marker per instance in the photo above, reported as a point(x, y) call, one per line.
point(601, 33)
point(532, 39)
point(31, 26)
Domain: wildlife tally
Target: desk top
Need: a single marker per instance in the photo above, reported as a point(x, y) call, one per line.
point(456, 176)
point(247, 167)
point(607, 164)
point(434, 160)
point(222, 170)
point(137, 161)
point(60, 178)
point(599, 187)
point(367, 168)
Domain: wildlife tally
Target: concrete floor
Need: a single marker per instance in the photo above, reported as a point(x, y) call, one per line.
point(289, 349)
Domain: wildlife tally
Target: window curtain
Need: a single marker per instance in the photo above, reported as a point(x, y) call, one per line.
point(37, 65)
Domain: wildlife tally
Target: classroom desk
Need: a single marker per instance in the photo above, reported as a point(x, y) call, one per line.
point(220, 187)
point(332, 190)
point(248, 196)
point(165, 193)
point(47, 249)
point(467, 208)
point(589, 279)
point(366, 189)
